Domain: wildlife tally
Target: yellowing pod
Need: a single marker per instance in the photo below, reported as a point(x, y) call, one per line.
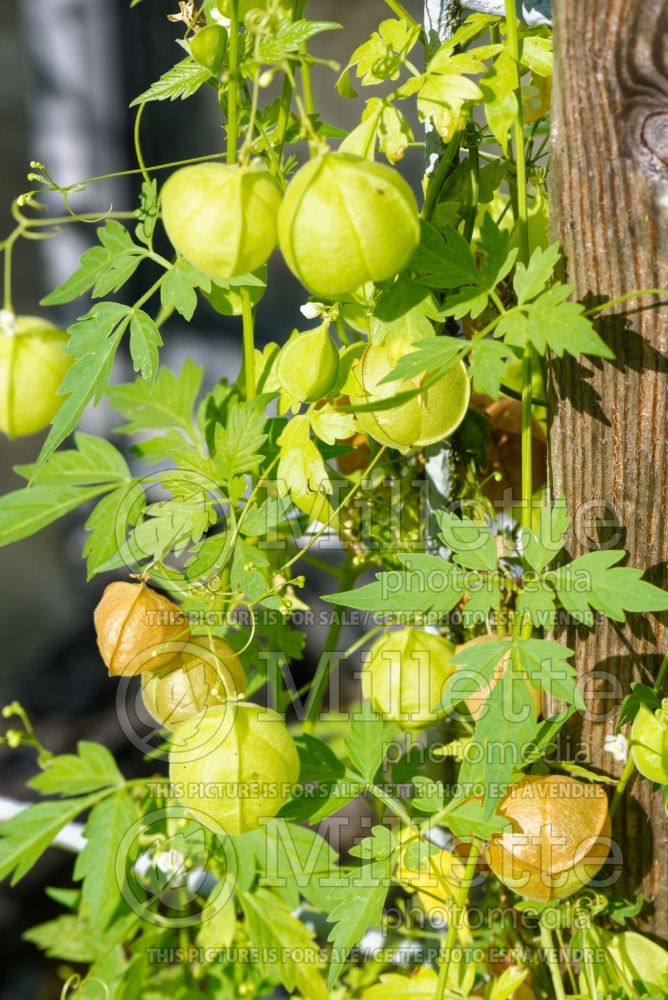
point(424, 418)
point(221, 218)
point(236, 764)
point(33, 363)
point(346, 220)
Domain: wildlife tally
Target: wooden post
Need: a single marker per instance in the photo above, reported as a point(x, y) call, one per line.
point(609, 449)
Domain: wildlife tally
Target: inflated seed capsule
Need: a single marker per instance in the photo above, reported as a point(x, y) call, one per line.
point(221, 217)
point(346, 220)
point(137, 629)
point(33, 363)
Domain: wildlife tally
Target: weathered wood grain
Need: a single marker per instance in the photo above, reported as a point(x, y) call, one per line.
point(609, 445)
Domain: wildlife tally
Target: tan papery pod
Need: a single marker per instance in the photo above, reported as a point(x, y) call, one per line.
point(560, 837)
point(206, 673)
point(137, 629)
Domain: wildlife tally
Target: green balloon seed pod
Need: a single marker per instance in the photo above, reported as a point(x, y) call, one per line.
point(208, 47)
point(405, 675)
point(221, 218)
point(308, 365)
point(346, 220)
point(649, 743)
point(33, 363)
point(243, 765)
point(424, 419)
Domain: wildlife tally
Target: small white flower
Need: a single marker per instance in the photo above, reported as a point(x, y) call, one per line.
point(618, 746)
point(169, 862)
point(7, 322)
point(311, 310)
point(372, 942)
point(431, 166)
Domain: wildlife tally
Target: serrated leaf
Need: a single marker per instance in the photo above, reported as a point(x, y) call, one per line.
point(290, 37)
point(238, 444)
point(94, 461)
point(318, 760)
point(27, 835)
point(474, 544)
point(446, 87)
point(366, 740)
point(530, 280)
point(278, 936)
point(168, 403)
point(591, 582)
point(488, 366)
point(397, 592)
point(543, 546)
point(293, 861)
point(357, 904)
point(499, 89)
point(110, 519)
point(509, 721)
point(93, 767)
point(546, 667)
point(107, 824)
point(103, 268)
point(145, 340)
point(179, 82)
point(93, 342)
point(380, 846)
point(23, 512)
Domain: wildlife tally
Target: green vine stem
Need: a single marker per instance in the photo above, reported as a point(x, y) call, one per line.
point(233, 88)
point(553, 965)
point(248, 317)
point(137, 142)
point(348, 575)
point(456, 915)
point(523, 231)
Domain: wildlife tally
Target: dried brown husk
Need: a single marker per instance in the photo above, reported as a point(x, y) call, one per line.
point(137, 629)
point(475, 703)
point(505, 448)
point(206, 673)
point(560, 837)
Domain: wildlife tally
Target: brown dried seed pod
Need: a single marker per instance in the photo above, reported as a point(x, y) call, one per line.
point(560, 837)
point(206, 673)
point(505, 447)
point(137, 629)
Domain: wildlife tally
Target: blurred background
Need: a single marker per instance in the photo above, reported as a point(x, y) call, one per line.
point(68, 70)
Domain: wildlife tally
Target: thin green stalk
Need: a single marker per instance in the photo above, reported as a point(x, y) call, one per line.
point(8, 304)
point(248, 318)
point(527, 424)
point(552, 963)
point(520, 152)
point(474, 187)
point(456, 913)
point(137, 141)
point(439, 175)
point(569, 970)
point(401, 12)
point(319, 686)
point(233, 90)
